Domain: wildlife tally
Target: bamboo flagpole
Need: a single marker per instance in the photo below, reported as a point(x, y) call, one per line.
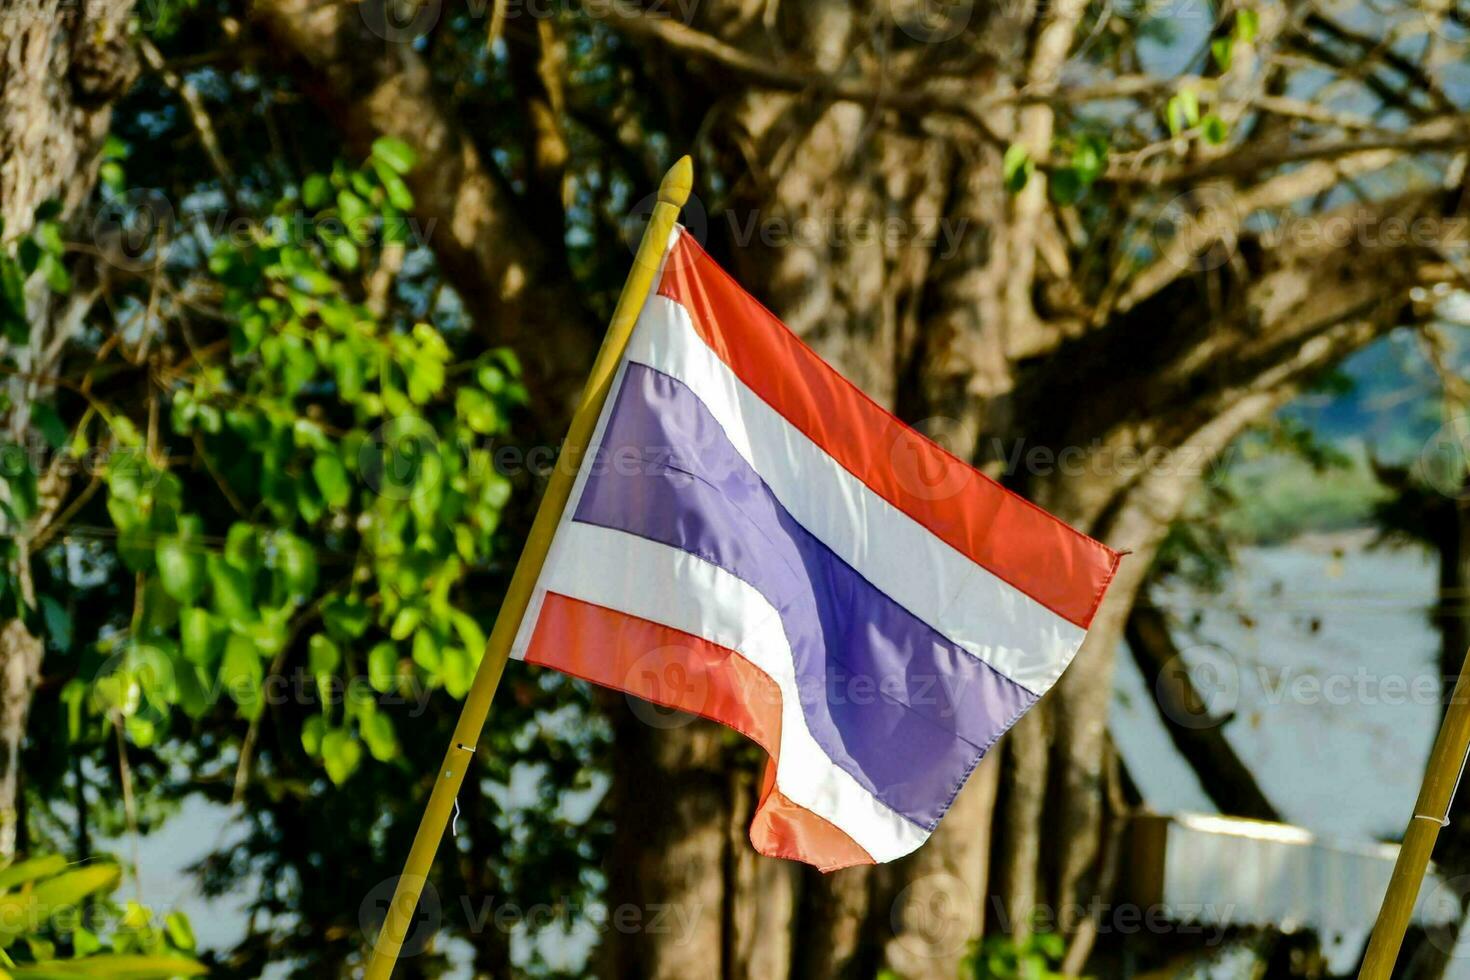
point(1431, 812)
point(673, 191)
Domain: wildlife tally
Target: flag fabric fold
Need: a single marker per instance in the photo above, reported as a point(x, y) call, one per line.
point(752, 539)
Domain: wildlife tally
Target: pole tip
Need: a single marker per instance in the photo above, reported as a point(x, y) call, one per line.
point(677, 183)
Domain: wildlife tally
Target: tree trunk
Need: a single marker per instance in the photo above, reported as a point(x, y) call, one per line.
point(675, 813)
point(62, 65)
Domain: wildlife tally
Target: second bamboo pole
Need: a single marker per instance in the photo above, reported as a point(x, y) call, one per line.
point(1431, 812)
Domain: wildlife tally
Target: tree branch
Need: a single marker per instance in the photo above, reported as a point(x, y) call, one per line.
point(501, 269)
point(1227, 780)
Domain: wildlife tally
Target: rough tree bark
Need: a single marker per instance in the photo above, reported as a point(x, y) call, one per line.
point(62, 65)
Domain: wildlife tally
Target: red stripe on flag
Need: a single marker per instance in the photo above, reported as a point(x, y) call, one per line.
point(1056, 565)
point(682, 671)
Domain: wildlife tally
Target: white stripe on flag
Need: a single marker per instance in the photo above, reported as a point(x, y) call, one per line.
point(676, 589)
point(1010, 631)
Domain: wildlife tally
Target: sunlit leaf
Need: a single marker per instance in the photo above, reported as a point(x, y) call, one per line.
point(395, 153)
point(1016, 167)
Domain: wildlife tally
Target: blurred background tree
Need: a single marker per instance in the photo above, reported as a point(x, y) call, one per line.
point(293, 292)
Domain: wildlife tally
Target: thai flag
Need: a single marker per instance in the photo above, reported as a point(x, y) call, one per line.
point(754, 540)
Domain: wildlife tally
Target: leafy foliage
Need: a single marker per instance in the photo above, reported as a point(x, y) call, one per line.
point(293, 542)
point(1001, 957)
point(338, 440)
point(58, 923)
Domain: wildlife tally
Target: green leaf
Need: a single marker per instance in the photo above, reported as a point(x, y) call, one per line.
point(457, 672)
point(49, 424)
point(1247, 25)
point(20, 479)
point(312, 733)
point(197, 635)
point(300, 364)
point(469, 631)
point(1017, 167)
point(394, 153)
point(1066, 186)
point(1214, 129)
point(54, 272)
point(181, 568)
point(193, 687)
point(405, 623)
point(1190, 101)
point(1222, 50)
point(426, 652)
point(316, 191)
point(40, 949)
point(341, 754)
point(377, 732)
point(344, 253)
point(48, 236)
point(29, 870)
point(347, 367)
point(115, 966)
point(1182, 111)
point(112, 175)
point(152, 665)
point(297, 564)
point(322, 655)
point(355, 211)
point(398, 193)
point(346, 619)
point(478, 410)
point(1090, 159)
point(242, 547)
point(230, 588)
point(66, 891)
point(241, 674)
point(490, 376)
point(1174, 115)
point(331, 479)
point(396, 229)
point(383, 667)
point(180, 930)
point(28, 254)
point(58, 623)
point(141, 731)
point(16, 326)
point(84, 942)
